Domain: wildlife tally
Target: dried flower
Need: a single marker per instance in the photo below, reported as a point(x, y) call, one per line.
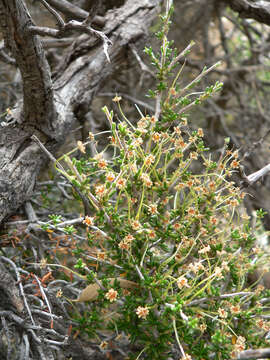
point(111, 295)
point(200, 132)
point(59, 293)
point(193, 155)
point(153, 209)
point(203, 327)
point(124, 245)
point(186, 357)
point(173, 91)
point(142, 124)
point(177, 226)
point(205, 250)
point(100, 190)
point(146, 179)
point(156, 137)
point(235, 309)
point(110, 176)
point(195, 267)
point(213, 220)
point(142, 312)
point(191, 211)
point(233, 202)
point(43, 263)
point(182, 282)
point(128, 238)
point(121, 183)
point(133, 168)
point(235, 164)
point(179, 143)
point(88, 220)
point(135, 224)
point(101, 255)
point(245, 216)
point(218, 272)
point(117, 99)
point(180, 186)
point(81, 147)
point(149, 159)
point(137, 142)
point(91, 136)
point(103, 345)
point(102, 164)
point(222, 313)
point(152, 234)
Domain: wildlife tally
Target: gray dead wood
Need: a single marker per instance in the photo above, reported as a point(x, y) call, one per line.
point(254, 354)
point(258, 10)
point(49, 108)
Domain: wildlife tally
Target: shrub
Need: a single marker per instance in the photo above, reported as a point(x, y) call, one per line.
point(170, 243)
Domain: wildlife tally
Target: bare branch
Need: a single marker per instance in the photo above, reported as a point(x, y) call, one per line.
point(254, 354)
point(69, 9)
point(257, 10)
point(73, 25)
point(4, 56)
point(258, 174)
point(58, 17)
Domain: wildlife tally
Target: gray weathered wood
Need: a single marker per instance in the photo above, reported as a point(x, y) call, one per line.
point(49, 108)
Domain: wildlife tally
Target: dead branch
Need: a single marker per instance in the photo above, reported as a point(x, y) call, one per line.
point(257, 10)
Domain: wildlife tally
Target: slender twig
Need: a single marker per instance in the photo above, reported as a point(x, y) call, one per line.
point(177, 339)
point(45, 298)
point(54, 13)
point(20, 286)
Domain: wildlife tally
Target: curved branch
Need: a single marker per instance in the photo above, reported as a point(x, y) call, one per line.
point(254, 354)
point(257, 10)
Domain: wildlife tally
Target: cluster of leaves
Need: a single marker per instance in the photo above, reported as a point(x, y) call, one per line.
point(170, 245)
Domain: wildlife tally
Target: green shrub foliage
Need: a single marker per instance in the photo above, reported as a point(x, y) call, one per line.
point(170, 244)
